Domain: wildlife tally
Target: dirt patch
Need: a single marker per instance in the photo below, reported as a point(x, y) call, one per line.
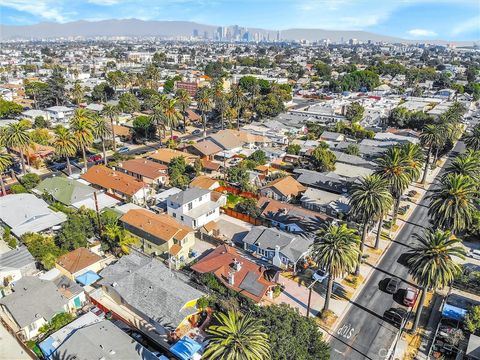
point(326, 319)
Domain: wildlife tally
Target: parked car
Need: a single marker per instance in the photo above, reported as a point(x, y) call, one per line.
point(474, 254)
point(396, 316)
point(174, 137)
point(392, 285)
point(58, 166)
point(123, 150)
point(320, 275)
point(95, 158)
point(410, 297)
point(196, 132)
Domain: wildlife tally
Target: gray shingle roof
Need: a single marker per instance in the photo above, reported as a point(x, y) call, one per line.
point(33, 299)
point(188, 195)
point(149, 286)
point(19, 258)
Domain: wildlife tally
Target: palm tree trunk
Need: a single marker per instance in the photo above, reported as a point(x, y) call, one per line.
point(427, 163)
point(223, 122)
point(69, 167)
point(104, 152)
point(379, 232)
point(113, 135)
point(159, 134)
point(22, 159)
point(171, 132)
point(238, 120)
point(2, 184)
point(204, 125)
point(84, 154)
point(329, 293)
point(396, 206)
point(362, 247)
point(419, 310)
point(184, 122)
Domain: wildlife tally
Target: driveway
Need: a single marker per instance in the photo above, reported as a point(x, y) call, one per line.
point(10, 348)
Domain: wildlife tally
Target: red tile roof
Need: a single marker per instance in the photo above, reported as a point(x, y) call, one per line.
point(110, 179)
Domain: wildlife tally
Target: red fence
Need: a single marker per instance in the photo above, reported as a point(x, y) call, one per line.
point(246, 218)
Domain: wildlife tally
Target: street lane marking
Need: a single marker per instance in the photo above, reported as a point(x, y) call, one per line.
point(346, 331)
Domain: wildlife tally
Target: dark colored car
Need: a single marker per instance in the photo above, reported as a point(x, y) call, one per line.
point(392, 285)
point(58, 166)
point(396, 316)
point(123, 150)
point(196, 132)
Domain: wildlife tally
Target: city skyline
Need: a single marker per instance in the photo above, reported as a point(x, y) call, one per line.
point(410, 19)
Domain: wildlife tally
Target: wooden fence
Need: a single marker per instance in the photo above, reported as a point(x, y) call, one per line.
point(246, 218)
point(236, 191)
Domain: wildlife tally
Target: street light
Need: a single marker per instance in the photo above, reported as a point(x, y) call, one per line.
point(310, 287)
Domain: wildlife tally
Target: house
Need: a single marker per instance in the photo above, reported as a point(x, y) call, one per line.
point(292, 218)
point(33, 113)
point(26, 213)
point(160, 233)
point(326, 202)
point(237, 272)
point(330, 137)
point(345, 158)
point(328, 181)
point(205, 182)
point(228, 141)
point(282, 249)
point(272, 153)
point(117, 183)
point(165, 155)
point(60, 114)
point(351, 171)
point(150, 172)
point(156, 294)
point(70, 290)
point(33, 303)
point(15, 264)
point(78, 262)
point(100, 340)
point(195, 207)
point(283, 189)
point(205, 149)
point(74, 193)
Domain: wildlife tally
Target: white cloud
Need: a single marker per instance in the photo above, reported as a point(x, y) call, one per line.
point(467, 26)
point(104, 2)
point(49, 10)
point(422, 33)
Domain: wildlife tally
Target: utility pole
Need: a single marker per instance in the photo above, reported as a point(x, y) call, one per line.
point(98, 214)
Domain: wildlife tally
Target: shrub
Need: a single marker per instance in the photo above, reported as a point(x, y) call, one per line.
point(18, 189)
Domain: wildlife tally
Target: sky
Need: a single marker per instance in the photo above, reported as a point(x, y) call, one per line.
point(409, 19)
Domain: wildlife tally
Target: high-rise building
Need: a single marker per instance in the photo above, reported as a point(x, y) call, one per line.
point(195, 33)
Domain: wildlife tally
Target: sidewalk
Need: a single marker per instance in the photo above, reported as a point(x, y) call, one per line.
point(10, 348)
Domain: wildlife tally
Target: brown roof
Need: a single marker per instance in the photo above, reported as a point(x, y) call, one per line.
point(210, 165)
point(161, 226)
point(121, 130)
point(165, 155)
point(147, 168)
point(287, 186)
point(192, 115)
point(78, 259)
point(271, 208)
point(110, 179)
point(220, 261)
point(203, 182)
point(175, 249)
point(207, 147)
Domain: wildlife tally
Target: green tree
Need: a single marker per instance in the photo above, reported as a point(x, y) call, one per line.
point(176, 170)
point(259, 157)
point(29, 181)
point(467, 164)
point(77, 92)
point(9, 109)
point(16, 137)
point(204, 104)
point(171, 114)
point(82, 126)
point(249, 207)
point(58, 321)
point(431, 263)
point(184, 100)
point(472, 319)
point(352, 149)
point(101, 131)
point(294, 149)
point(111, 112)
point(35, 90)
point(414, 159)
point(40, 136)
point(324, 159)
point(102, 92)
point(40, 123)
point(237, 336)
point(430, 137)
point(75, 232)
point(452, 205)
point(56, 87)
point(143, 127)
point(336, 250)
point(128, 103)
point(355, 112)
point(472, 139)
point(237, 101)
point(65, 145)
point(5, 162)
point(239, 175)
point(42, 248)
point(117, 239)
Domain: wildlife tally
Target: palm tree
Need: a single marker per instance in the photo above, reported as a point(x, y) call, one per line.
point(236, 337)
point(393, 166)
point(467, 164)
point(204, 104)
point(370, 199)
point(336, 250)
point(101, 131)
point(82, 126)
point(237, 99)
point(431, 263)
point(171, 114)
point(16, 137)
point(220, 101)
point(184, 100)
point(118, 239)
point(5, 162)
point(472, 140)
point(65, 145)
point(452, 204)
point(414, 158)
point(429, 138)
point(111, 112)
point(77, 92)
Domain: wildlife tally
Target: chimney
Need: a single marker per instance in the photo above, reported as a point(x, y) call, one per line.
point(231, 278)
point(236, 265)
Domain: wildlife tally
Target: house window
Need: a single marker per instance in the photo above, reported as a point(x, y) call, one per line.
point(200, 198)
point(190, 206)
point(181, 218)
point(194, 222)
point(174, 215)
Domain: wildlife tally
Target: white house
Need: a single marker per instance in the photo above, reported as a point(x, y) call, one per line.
point(195, 207)
point(60, 114)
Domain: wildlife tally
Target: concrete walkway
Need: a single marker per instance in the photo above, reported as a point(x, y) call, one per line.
point(10, 349)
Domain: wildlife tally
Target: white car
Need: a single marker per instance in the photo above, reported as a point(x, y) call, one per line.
point(474, 254)
point(320, 275)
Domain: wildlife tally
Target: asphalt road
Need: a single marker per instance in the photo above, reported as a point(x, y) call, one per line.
point(363, 334)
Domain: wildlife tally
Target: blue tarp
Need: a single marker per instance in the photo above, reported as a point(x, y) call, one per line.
point(47, 347)
point(185, 348)
point(87, 278)
point(453, 312)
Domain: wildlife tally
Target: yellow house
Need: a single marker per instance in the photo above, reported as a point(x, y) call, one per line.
point(159, 233)
point(78, 262)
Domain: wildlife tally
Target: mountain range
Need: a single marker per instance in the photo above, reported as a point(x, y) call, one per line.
point(171, 29)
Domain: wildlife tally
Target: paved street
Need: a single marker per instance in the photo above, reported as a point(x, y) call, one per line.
point(363, 334)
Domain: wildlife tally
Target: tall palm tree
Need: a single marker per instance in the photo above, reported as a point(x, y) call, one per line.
point(82, 126)
point(111, 112)
point(394, 167)
point(16, 136)
point(236, 337)
point(237, 100)
point(77, 92)
point(171, 114)
point(472, 140)
point(65, 145)
point(184, 100)
point(220, 101)
point(5, 162)
point(467, 164)
point(101, 131)
point(369, 199)
point(336, 250)
point(431, 263)
point(452, 204)
point(204, 104)
point(414, 158)
point(429, 138)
